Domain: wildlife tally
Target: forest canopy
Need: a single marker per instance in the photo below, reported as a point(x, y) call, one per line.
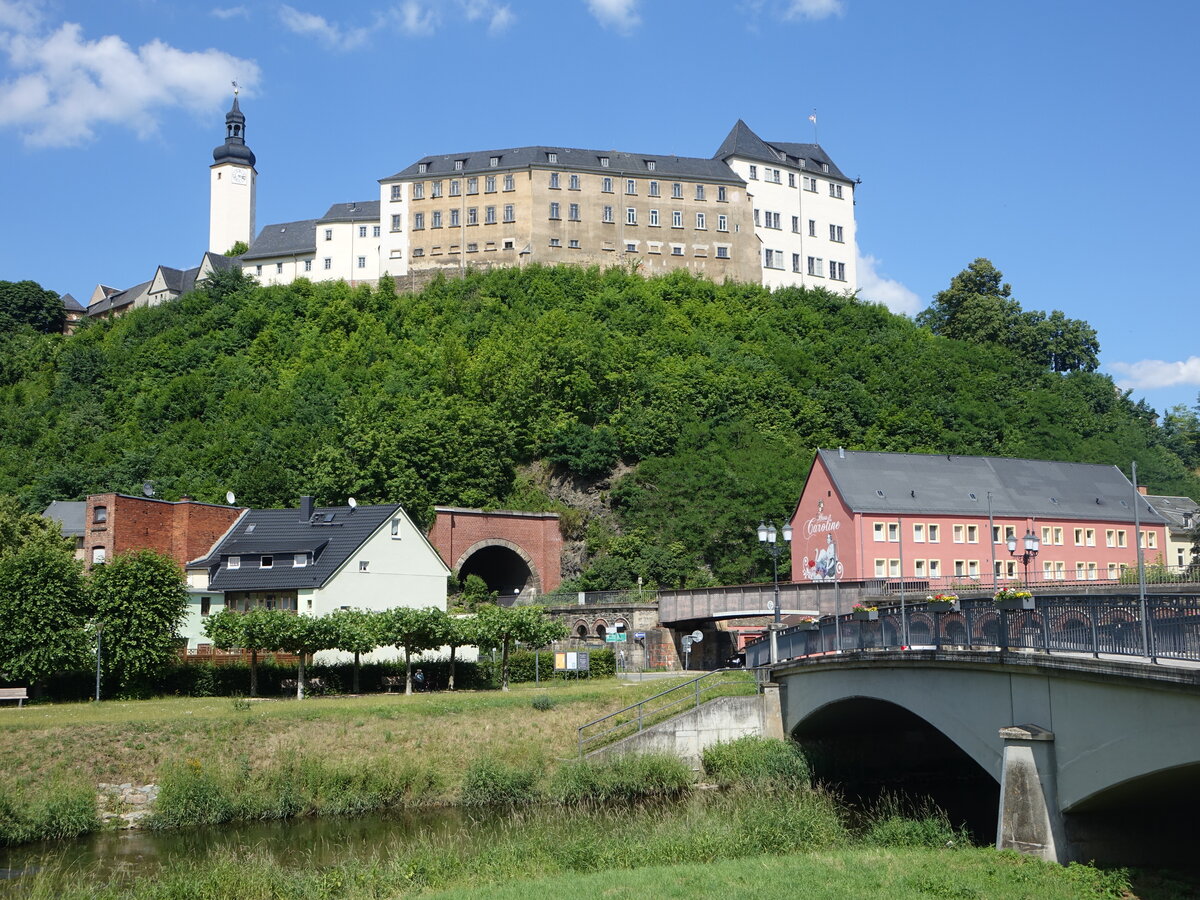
point(710, 398)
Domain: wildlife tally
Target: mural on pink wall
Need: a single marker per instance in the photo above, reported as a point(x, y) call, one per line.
point(820, 543)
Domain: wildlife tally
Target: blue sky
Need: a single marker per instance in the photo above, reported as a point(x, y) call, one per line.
point(1056, 139)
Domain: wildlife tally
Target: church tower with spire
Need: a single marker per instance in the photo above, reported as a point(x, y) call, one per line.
point(231, 186)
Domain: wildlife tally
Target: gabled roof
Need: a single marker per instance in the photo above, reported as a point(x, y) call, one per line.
point(69, 514)
point(332, 534)
point(119, 299)
point(363, 210)
point(284, 239)
point(70, 304)
point(908, 483)
point(217, 262)
point(620, 164)
point(744, 143)
point(1183, 513)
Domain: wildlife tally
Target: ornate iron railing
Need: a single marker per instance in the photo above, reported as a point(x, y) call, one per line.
point(1161, 627)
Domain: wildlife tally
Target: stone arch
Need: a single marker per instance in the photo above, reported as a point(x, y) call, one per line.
point(534, 580)
point(600, 627)
point(580, 629)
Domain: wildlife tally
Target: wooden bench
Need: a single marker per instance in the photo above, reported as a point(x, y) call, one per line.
point(315, 685)
point(18, 694)
point(393, 681)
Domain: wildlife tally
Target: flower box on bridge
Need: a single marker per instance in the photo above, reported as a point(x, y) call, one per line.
point(865, 615)
point(808, 626)
point(1014, 600)
point(942, 606)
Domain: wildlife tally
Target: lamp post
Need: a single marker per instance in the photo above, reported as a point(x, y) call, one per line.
point(768, 535)
point(1031, 546)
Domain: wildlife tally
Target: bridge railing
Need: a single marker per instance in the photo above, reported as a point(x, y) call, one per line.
point(663, 705)
point(1100, 580)
point(1168, 628)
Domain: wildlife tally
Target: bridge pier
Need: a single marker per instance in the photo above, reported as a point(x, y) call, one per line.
point(1030, 819)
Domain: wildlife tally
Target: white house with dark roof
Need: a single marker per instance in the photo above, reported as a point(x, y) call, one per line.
point(314, 560)
point(343, 244)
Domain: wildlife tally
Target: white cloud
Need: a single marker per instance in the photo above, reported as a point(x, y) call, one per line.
point(875, 288)
point(416, 19)
point(814, 9)
point(621, 15)
point(67, 86)
point(1156, 373)
point(19, 15)
point(422, 18)
point(498, 15)
point(327, 32)
point(231, 12)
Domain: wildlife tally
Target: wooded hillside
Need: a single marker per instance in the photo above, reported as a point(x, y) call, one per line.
point(716, 395)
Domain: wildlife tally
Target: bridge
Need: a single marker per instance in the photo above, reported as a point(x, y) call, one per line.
point(1072, 728)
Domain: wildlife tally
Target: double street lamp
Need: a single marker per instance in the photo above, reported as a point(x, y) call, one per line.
point(769, 536)
point(1031, 546)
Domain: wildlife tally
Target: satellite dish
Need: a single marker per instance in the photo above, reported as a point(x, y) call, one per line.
point(352, 502)
point(148, 489)
point(230, 498)
point(697, 636)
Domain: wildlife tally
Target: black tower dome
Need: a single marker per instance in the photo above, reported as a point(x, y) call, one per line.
point(234, 149)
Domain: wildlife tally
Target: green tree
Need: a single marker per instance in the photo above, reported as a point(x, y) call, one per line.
point(255, 630)
point(355, 631)
point(19, 529)
point(500, 627)
point(27, 303)
point(302, 635)
point(238, 248)
point(43, 609)
point(457, 631)
point(474, 592)
point(413, 631)
point(140, 602)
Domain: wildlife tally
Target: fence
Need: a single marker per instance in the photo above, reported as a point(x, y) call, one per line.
point(1158, 576)
point(1169, 629)
point(206, 653)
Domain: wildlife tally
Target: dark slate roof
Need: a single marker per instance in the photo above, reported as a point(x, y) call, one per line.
point(234, 149)
point(70, 304)
point(942, 485)
point(69, 514)
point(620, 163)
point(284, 239)
point(743, 142)
point(219, 262)
point(179, 281)
point(363, 210)
point(280, 533)
point(1174, 510)
point(118, 299)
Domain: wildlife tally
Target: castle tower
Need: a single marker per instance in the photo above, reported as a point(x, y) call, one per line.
point(231, 186)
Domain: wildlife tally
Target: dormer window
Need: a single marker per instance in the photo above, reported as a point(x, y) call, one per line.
point(422, 168)
point(267, 562)
point(651, 165)
point(604, 161)
point(234, 562)
point(824, 167)
point(494, 161)
point(552, 157)
point(458, 164)
point(299, 560)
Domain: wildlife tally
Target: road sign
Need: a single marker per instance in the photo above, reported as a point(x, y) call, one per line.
point(615, 637)
point(639, 635)
point(697, 636)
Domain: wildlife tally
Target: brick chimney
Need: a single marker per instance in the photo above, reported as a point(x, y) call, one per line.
point(1142, 490)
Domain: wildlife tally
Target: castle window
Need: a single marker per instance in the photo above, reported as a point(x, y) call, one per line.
point(100, 515)
point(329, 234)
point(362, 230)
point(396, 192)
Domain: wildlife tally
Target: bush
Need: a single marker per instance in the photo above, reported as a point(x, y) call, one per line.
point(623, 778)
point(543, 703)
point(490, 782)
point(190, 794)
point(895, 822)
point(756, 762)
point(60, 809)
point(521, 667)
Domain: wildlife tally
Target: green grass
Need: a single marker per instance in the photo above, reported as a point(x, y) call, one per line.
point(755, 762)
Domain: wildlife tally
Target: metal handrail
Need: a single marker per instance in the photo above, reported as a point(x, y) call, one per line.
point(1158, 627)
point(694, 693)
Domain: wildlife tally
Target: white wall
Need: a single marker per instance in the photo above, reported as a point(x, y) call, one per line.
point(231, 206)
point(393, 244)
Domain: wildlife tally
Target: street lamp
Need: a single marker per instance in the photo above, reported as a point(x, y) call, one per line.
point(1031, 544)
point(767, 535)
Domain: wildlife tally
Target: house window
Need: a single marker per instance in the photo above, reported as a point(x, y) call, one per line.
point(362, 231)
point(374, 231)
point(555, 242)
point(722, 252)
point(422, 168)
point(935, 533)
point(881, 531)
point(837, 270)
point(327, 263)
point(278, 268)
point(509, 183)
point(630, 186)
point(654, 217)
point(435, 219)
point(893, 529)
point(631, 247)
point(677, 249)
point(205, 606)
point(299, 560)
point(606, 186)
point(881, 568)
point(489, 184)
point(509, 213)
point(493, 161)
point(773, 259)
point(816, 266)
point(722, 223)
point(754, 172)
point(489, 215)
point(1089, 537)
point(919, 533)
point(756, 218)
point(699, 192)
point(329, 234)
point(418, 191)
point(458, 164)
point(455, 187)
point(435, 189)
point(1121, 534)
point(363, 565)
point(472, 248)
point(418, 221)
point(554, 181)
point(835, 233)
point(958, 534)
point(935, 568)
point(258, 269)
point(810, 183)
point(677, 191)
point(1058, 536)
point(473, 215)
point(100, 515)
point(630, 216)
point(362, 262)
point(97, 556)
point(812, 227)
point(1110, 537)
point(266, 562)
point(607, 215)
point(604, 162)
point(795, 224)
point(721, 193)
point(418, 251)
point(308, 265)
point(973, 568)
point(960, 567)
point(454, 218)
point(791, 179)
point(396, 528)
point(554, 211)
point(573, 183)
point(651, 165)
point(795, 262)
point(676, 219)
point(835, 190)
point(473, 185)
point(396, 192)
point(654, 189)
point(894, 568)
point(573, 244)
point(919, 568)
point(700, 222)
point(973, 534)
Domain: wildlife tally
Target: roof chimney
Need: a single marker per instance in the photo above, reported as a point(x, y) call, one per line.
point(841, 452)
point(306, 508)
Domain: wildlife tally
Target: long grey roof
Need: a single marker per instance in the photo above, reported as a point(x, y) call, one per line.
point(1182, 512)
point(362, 210)
point(69, 514)
point(284, 239)
point(331, 535)
point(117, 299)
point(620, 163)
point(906, 483)
point(743, 142)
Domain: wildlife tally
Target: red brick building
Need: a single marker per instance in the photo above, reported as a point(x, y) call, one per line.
point(183, 529)
point(514, 552)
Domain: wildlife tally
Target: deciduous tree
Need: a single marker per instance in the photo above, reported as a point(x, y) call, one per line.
point(27, 303)
point(413, 631)
point(499, 627)
point(43, 610)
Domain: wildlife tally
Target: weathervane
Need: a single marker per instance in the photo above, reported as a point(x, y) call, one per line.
point(236, 87)
point(813, 118)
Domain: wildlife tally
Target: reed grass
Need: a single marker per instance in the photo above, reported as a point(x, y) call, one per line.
point(756, 762)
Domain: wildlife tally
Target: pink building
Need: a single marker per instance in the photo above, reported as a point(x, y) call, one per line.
point(946, 520)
